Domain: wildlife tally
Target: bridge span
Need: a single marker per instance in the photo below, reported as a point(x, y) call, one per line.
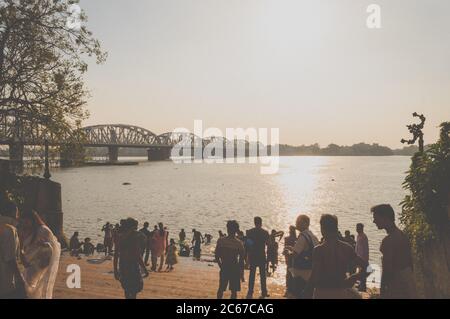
point(114, 137)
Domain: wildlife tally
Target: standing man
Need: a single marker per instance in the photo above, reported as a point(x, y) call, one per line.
point(197, 241)
point(128, 261)
point(230, 257)
point(257, 240)
point(11, 281)
point(362, 250)
point(182, 236)
point(144, 230)
point(302, 252)
point(108, 239)
point(397, 280)
point(289, 241)
point(331, 260)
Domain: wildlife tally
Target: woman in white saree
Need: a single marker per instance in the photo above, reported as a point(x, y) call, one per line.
point(40, 254)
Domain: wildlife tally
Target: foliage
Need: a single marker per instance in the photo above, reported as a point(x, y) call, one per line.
point(360, 149)
point(11, 185)
point(42, 66)
point(424, 212)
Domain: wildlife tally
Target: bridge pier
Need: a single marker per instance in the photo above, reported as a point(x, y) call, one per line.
point(158, 153)
point(113, 153)
point(16, 157)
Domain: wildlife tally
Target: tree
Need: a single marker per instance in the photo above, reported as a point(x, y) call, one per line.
point(426, 215)
point(42, 66)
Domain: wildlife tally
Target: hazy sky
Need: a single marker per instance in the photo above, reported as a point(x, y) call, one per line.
point(311, 68)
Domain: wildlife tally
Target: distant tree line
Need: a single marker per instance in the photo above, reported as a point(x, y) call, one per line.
point(360, 149)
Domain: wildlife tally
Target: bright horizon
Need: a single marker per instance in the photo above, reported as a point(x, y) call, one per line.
point(310, 68)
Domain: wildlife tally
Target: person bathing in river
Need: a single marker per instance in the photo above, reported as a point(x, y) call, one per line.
point(128, 262)
point(272, 250)
point(397, 279)
point(171, 255)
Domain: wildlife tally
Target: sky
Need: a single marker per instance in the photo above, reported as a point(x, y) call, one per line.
point(311, 68)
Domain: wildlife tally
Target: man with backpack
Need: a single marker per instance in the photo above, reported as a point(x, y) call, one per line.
point(301, 259)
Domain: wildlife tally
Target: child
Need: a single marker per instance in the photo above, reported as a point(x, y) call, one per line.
point(88, 247)
point(171, 255)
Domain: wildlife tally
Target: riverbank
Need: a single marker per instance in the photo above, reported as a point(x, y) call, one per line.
point(190, 280)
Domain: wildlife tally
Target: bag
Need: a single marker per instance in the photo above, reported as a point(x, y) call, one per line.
point(304, 259)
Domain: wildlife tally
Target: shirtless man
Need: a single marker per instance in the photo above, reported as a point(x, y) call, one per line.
point(330, 263)
point(230, 257)
point(397, 280)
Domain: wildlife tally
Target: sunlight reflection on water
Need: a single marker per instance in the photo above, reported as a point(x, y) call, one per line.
point(205, 196)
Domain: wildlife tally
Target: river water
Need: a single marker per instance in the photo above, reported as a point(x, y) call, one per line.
point(205, 196)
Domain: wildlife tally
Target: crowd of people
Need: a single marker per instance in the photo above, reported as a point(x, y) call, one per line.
point(324, 269)
point(328, 267)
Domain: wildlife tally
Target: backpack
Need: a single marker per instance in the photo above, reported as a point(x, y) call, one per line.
point(304, 259)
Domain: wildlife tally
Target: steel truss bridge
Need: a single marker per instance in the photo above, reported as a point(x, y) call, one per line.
point(17, 134)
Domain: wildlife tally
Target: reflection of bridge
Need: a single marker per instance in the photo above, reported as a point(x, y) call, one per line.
point(115, 136)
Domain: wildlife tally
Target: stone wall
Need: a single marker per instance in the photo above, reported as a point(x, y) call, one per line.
point(42, 195)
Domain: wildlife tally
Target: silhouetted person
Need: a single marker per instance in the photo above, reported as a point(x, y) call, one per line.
point(349, 239)
point(108, 239)
point(362, 250)
point(197, 240)
point(272, 250)
point(75, 245)
point(230, 258)
point(302, 251)
point(144, 230)
point(208, 238)
point(128, 261)
point(182, 236)
point(331, 260)
point(88, 247)
point(397, 280)
point(115, 235)
point(171, 255)
point(257, 239)
point(221, 234)
point(240, 235)
point(160, 243)
point(289, 241)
